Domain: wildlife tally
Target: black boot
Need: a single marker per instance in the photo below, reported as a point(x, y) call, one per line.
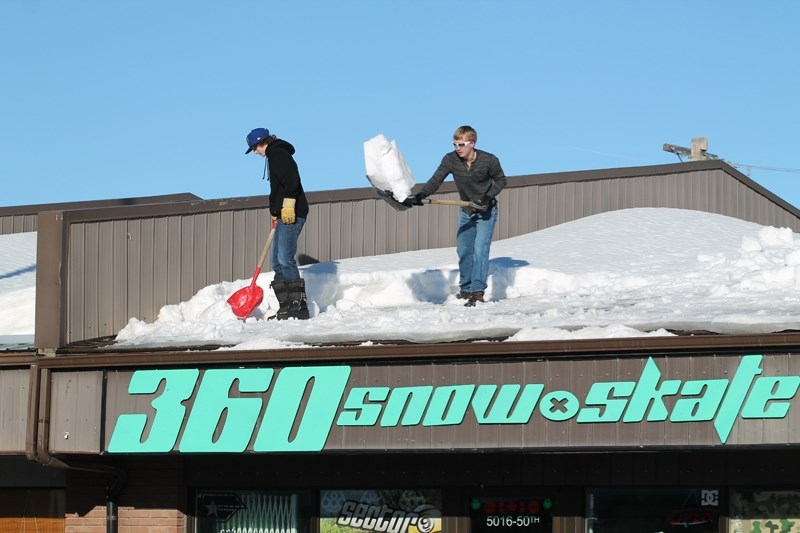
point(281, 289)
point(298, 307)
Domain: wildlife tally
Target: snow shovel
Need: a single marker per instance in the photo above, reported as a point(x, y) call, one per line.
point(247, 298)
point(399, 206)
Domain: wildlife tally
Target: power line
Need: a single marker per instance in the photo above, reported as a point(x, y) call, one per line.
point(773, 169)
point(699, 151)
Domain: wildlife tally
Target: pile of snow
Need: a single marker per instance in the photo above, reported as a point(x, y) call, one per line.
point(634, 272)
point(387, 169)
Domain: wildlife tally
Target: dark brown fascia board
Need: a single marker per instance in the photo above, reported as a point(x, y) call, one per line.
point(17, 359)
point(787, 342)
point(118, 202)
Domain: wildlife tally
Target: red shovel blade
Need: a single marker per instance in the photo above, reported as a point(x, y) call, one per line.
point(247, 298)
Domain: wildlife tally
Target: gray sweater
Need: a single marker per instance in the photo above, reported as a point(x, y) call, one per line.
point(485, 178)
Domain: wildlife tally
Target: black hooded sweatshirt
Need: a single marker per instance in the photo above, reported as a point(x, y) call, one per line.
point(284, 179)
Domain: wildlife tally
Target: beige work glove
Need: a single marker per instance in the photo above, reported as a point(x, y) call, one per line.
point(287, 211)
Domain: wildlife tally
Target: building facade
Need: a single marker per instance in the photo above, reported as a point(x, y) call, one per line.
point(693, 433)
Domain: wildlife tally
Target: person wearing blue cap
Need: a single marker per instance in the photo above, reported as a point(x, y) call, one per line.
point(288, 207)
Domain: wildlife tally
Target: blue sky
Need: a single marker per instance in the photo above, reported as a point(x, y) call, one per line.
point(104, 99)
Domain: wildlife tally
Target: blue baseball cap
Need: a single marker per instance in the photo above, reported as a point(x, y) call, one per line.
point(255, 137)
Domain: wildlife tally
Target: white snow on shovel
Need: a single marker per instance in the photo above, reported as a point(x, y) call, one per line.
point(387, 169)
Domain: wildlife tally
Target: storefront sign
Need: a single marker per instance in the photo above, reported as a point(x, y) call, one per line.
point(511, 514)
point(294, 409)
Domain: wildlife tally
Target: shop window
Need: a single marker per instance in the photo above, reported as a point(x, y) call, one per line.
point(385, 511)
point(242, 511)
point(522, 513)
point(764, 511)
point(653, 511)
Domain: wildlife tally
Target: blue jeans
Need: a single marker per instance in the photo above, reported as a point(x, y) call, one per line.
point(473, 240)
point(284, 249)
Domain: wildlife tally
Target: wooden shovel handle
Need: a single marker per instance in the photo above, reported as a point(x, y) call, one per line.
point(459, 203)
point(266, 248)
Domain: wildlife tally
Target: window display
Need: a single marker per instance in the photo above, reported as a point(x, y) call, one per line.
point(384, 511)
point(764, 511)
point(653, 511)
point(233, 511)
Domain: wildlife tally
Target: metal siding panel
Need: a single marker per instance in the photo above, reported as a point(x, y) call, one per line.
point(119, 315)
point(336, 229)
point(474, 435)
point(14, 391)
point(325, 235)
point(91, 281)
point(199, 252)
point(611, 188)
point(188, 266)
point(701, 368)
point(726, 367)
point(233, 240)
point(558, 379)
point(252, 242)
point(118, 401)
point(213, 241)
point(370, 235)
point(605, 434)
point(346, 234)
point(146, 281)
point(774, 430)
point(75, 413)
point(581, 378)
point(381, 229)
point(107, 290)
point(793, 416)
point(443, 437)
point(160, 263)
point(76, 316)
point(674, 368)
point(569, 201)
point(534, 434)
point(631, 434)
point(400, 436)
point(133, 261)
point(173, 262)
point(375, 377)
point(227, 266)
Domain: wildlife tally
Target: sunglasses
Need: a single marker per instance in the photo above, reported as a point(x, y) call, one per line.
point(462, 144)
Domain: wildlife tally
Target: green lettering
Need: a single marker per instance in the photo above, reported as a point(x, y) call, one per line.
point(699, 400)
point(448, 405)
point(749, 368)
point(357, 409)
point(169, 412)
point(767, 389)
point(412, 400)
point(599, 395)
point(213, 400)
point(503, 402)
point(559, 405)
point(313, 423)
point(647, 392)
